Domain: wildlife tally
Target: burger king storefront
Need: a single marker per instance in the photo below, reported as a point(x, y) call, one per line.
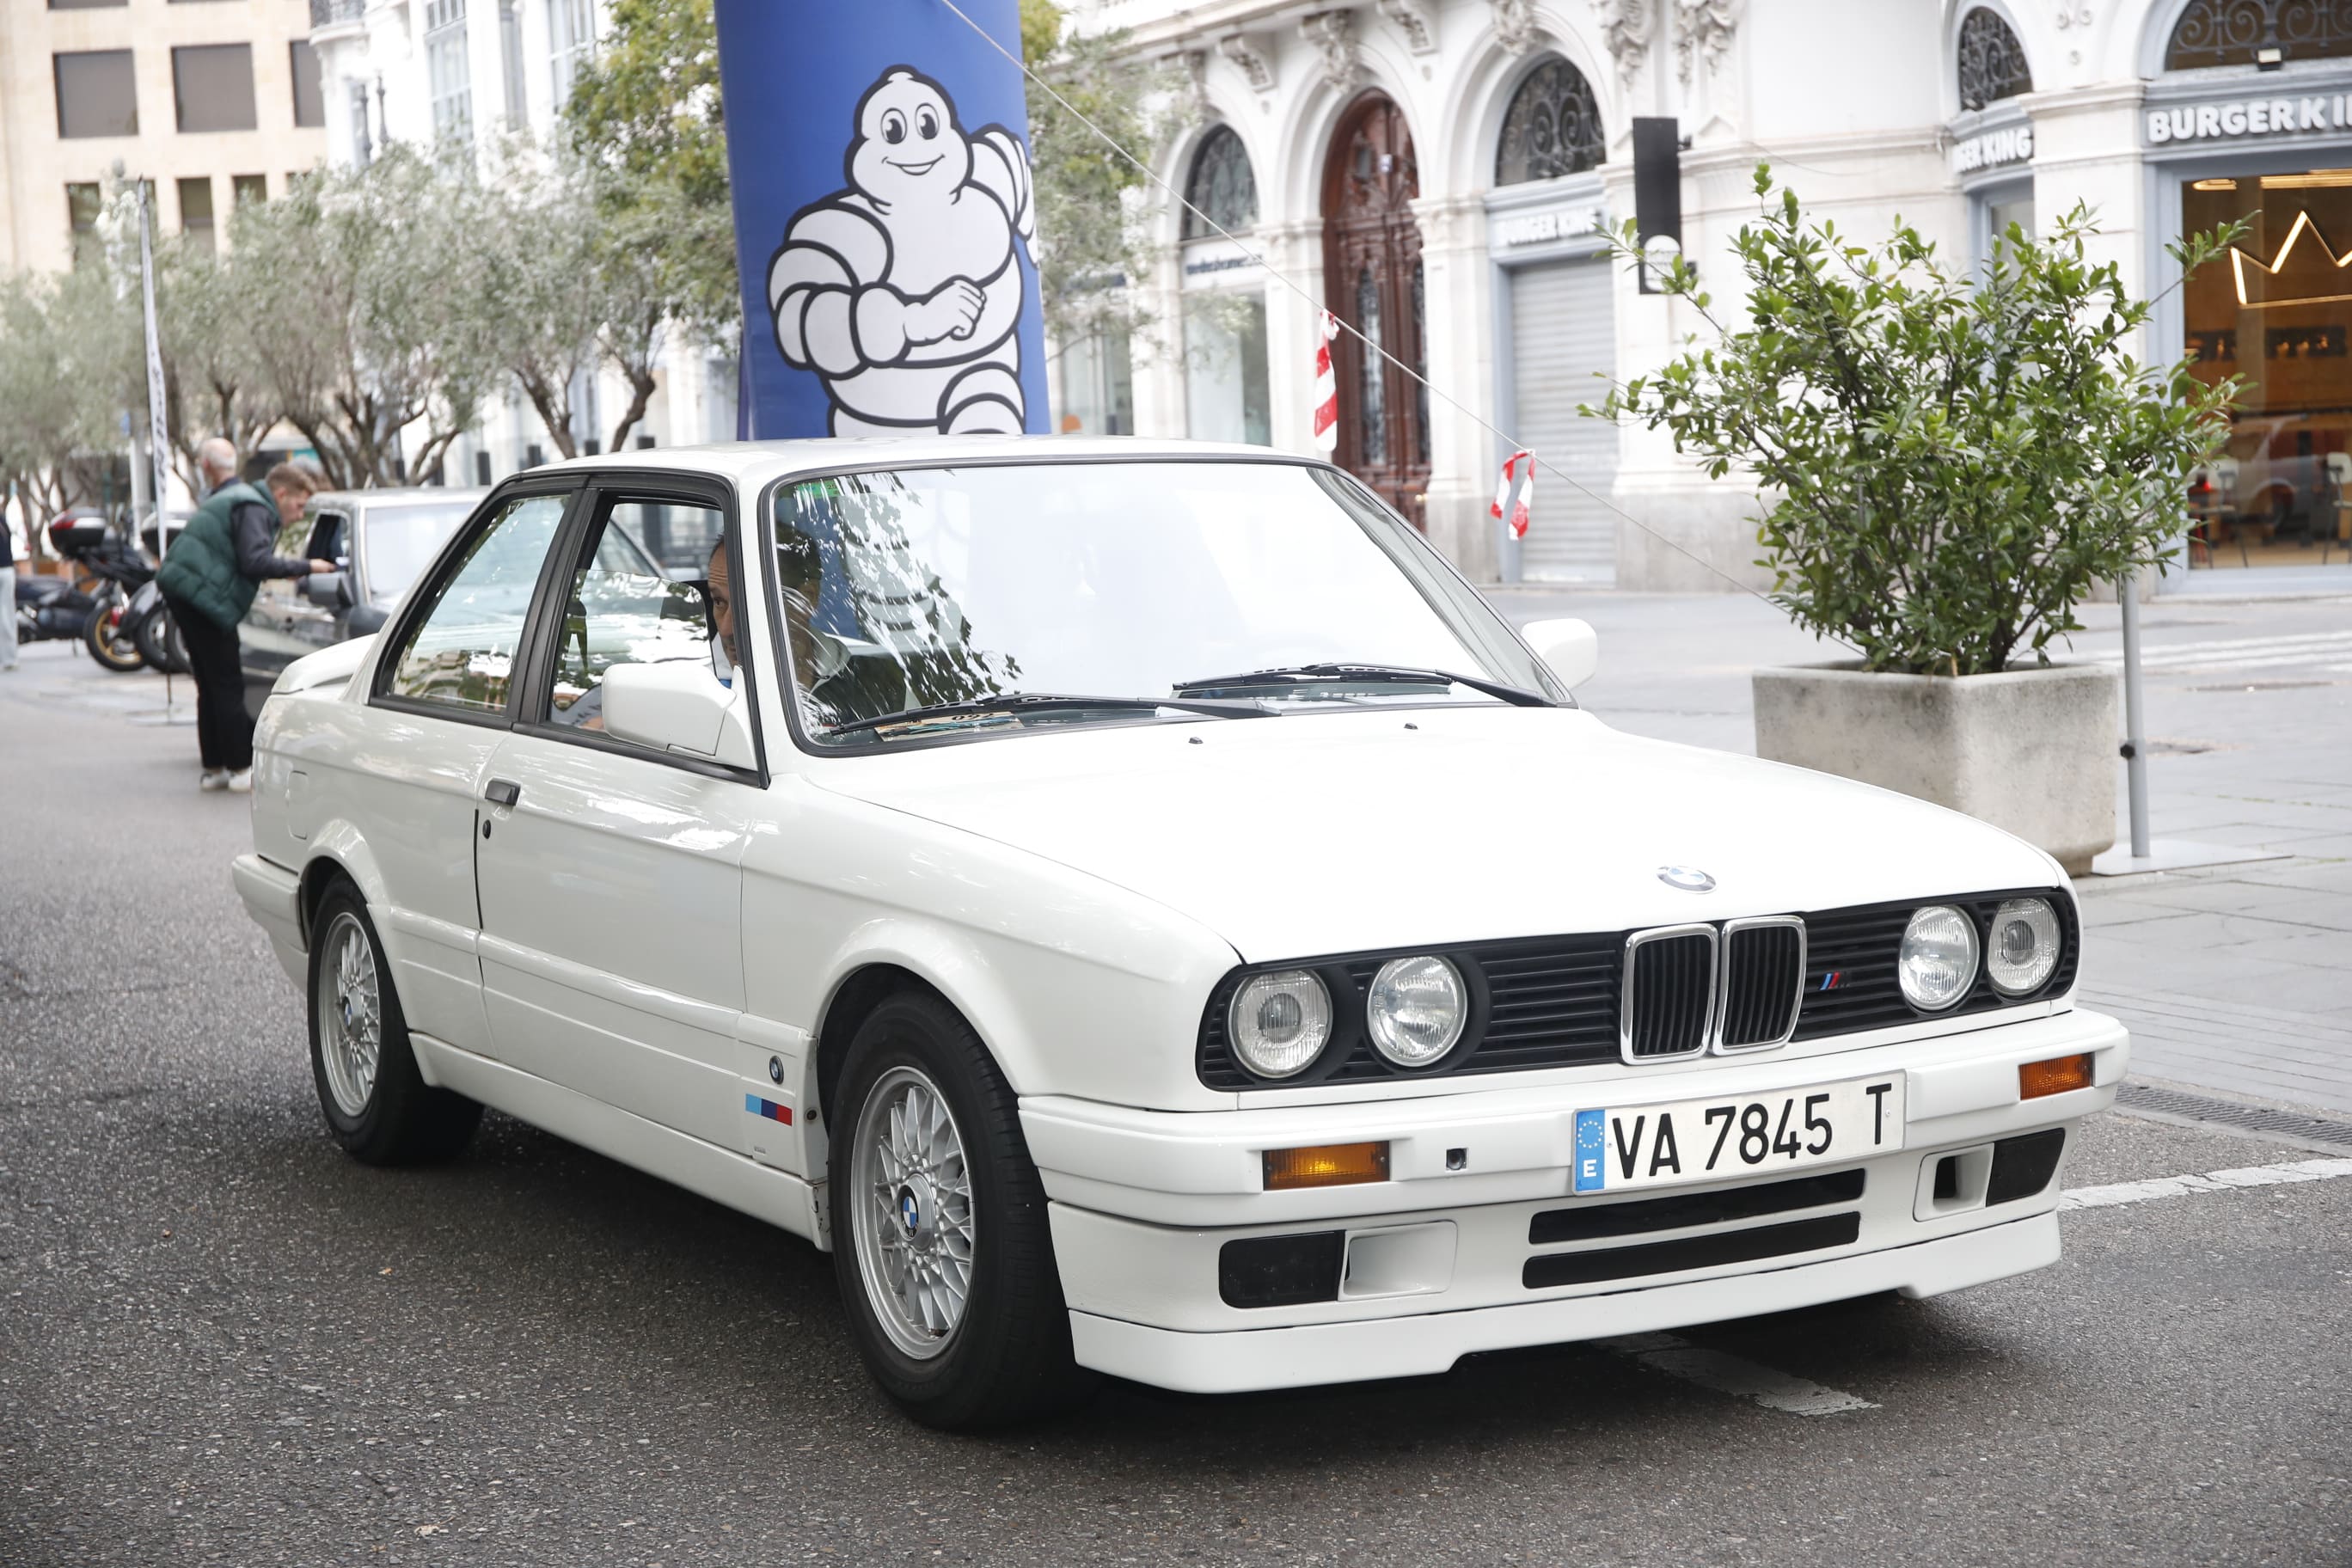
point(2227, 136)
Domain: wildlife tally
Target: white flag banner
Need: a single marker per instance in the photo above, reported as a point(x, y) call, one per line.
point(159, 441)
point(1519, 468)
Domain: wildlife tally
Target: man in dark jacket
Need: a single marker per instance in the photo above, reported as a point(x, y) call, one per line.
point(208, 580)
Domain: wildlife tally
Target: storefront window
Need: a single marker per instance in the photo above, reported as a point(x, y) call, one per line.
point(1224, 379)
point(1097, 388)
point(2277, 312)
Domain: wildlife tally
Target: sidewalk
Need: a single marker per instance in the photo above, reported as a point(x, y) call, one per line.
point(2232, 978)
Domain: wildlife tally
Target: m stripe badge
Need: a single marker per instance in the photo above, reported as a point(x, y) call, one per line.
point(768, 1108)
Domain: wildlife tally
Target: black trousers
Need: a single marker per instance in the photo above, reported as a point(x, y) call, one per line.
point(224, 729)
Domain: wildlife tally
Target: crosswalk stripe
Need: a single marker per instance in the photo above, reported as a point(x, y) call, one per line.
point(2212, 1181)
point(1726, 1373)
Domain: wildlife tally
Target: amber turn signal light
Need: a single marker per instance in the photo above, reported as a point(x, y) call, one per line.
point(1326, 1166)
point(2056, 1076)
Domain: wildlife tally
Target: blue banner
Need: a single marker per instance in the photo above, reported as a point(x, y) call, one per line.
point(885, 218)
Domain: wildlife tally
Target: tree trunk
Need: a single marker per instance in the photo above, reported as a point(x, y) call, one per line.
point(640, 384)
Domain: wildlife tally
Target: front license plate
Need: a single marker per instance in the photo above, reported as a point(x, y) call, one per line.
point(1740, 1135)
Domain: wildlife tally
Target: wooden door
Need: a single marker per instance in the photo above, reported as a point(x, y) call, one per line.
point(1373, 279)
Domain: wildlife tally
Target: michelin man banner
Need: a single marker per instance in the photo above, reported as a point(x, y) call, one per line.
point(884, 217)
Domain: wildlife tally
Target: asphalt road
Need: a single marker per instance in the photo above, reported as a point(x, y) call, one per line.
point(222, 1341)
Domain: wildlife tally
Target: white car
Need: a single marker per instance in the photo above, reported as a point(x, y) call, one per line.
point(1144, 913)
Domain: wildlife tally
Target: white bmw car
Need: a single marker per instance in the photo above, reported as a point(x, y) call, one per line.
point(1062, 879)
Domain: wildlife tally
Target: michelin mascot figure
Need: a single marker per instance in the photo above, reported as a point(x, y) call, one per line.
point(898, 296)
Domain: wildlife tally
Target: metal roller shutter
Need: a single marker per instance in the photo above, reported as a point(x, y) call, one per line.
point(1563, 331)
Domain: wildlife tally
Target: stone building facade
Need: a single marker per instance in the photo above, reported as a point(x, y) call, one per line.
point(1432, 169)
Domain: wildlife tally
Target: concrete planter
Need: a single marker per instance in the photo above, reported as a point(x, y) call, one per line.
point(2031, 751)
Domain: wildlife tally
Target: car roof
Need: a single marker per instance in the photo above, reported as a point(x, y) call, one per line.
point(409, 495)
point(753, 464)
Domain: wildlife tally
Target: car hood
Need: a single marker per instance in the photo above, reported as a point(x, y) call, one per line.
point(1337, 833)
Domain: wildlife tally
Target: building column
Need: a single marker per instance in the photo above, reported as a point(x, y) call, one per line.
point(1293, 327)
point(1458, 336)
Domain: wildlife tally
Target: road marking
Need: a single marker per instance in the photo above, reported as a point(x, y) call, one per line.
point(2212, 1181)
point(2241, 653)
point(1678, 1357)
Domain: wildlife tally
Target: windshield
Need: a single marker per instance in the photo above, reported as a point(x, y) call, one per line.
point(922, 588)
point(401, 541)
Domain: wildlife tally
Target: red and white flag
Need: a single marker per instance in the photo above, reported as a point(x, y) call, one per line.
point(1327, 387)
point(1519, 467)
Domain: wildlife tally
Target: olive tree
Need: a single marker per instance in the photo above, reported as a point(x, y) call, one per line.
point(1948, 459)
point(363, 295)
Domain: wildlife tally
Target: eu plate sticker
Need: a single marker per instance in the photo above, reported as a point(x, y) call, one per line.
point(1592, 1150)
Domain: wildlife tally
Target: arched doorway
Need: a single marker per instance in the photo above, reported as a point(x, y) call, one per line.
point(1372, 281)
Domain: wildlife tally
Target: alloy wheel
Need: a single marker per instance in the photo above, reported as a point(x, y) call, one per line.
point(351, 1015)
point(912, 1212)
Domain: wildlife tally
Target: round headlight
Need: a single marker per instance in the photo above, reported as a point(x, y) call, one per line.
point(1416, 1010)
point(2025, 946)
point(1280, 1022)
point(1938, 960)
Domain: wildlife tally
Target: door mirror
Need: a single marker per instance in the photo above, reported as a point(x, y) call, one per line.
point(329, 590)
point(1572, 648)
point(678, 707)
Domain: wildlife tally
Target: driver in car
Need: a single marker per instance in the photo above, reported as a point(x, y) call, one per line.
point(833, 685)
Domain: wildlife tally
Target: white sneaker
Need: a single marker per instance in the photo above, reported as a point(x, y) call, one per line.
point(240, 781)
point(212, 779)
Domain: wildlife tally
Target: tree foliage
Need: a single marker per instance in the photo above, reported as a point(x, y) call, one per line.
point(1949, 461)
point(362, 296)
point(67, 363)
point(648, 115)
point(1092, 252)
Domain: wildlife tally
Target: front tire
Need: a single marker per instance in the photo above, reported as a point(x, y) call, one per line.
point(377, 1104)
point(159, 643)
point(942, 1248)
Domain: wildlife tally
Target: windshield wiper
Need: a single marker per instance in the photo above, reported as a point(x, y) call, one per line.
point(1365, 674)
point(1049, 701)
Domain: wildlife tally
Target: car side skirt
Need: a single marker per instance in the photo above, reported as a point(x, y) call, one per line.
point(720, 1174)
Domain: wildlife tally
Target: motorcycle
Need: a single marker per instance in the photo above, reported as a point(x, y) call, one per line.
point(50, 609)
point(119, 570)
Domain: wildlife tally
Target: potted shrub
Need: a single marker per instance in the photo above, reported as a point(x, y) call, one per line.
point(1949, 461)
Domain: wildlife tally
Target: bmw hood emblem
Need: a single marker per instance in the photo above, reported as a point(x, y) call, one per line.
point(1689, 878)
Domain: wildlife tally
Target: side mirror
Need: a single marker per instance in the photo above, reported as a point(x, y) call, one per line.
point(1571, 647)
point(329, 590)
point(678, 707)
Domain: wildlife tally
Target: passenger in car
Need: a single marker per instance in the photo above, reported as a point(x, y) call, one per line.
point(587, 710)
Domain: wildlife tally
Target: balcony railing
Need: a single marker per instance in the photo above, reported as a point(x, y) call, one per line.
point(328, 13)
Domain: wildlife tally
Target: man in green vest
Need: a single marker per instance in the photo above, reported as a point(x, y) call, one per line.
point(208, 580)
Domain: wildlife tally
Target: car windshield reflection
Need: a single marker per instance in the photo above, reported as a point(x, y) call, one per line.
point(926, 602)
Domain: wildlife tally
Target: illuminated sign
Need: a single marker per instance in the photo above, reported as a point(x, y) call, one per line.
point(2319, 278)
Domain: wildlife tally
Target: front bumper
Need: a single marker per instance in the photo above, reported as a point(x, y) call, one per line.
point(1143, 1202)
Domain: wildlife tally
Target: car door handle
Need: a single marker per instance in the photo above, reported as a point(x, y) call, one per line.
point(503, 792)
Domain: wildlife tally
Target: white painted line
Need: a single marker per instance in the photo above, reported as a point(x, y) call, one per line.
point(1678, 1357)
point(2212, 1181)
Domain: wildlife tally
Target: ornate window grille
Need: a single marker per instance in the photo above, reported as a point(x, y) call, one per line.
point(2232, 32)
point(1992, 62)
point(1221, 185)
point(1551, 128)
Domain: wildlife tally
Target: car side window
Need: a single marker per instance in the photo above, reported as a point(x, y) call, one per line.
point(328, 540)
point(623, 607)
point(460, 651)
